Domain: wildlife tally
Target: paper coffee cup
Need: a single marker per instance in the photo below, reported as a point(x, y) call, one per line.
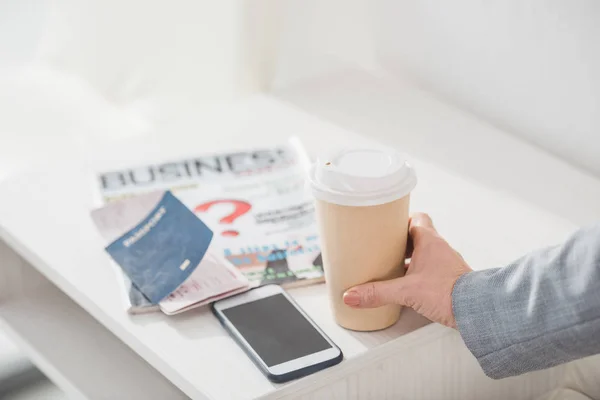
point(362, 201)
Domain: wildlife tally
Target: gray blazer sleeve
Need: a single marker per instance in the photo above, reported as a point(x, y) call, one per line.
point(540, 311)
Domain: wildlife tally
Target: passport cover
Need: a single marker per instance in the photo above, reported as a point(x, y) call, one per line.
point(162, 251)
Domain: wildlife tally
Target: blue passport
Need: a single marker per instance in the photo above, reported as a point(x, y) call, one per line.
point(162, 251)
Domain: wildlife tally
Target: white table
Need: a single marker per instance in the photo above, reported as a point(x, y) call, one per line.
point(59, 297)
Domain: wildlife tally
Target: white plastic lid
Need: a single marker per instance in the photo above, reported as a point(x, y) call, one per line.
point(361, 177)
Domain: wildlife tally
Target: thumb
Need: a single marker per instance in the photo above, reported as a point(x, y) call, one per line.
point(377, 294)
point(420, 227)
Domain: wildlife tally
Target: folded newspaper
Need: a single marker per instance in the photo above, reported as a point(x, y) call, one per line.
point(255, 203)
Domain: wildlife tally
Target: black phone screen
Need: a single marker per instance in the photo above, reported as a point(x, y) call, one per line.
point(275, 329)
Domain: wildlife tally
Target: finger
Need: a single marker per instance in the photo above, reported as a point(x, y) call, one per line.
point(421, 219)
point(377, 294)
point(421, 226)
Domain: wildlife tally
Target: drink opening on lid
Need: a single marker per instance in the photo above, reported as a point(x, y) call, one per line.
point(364, 163)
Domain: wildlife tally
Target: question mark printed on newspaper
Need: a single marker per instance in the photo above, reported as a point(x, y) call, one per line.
point(241, 208)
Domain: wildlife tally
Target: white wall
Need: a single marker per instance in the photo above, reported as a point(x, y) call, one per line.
point(531, 67)
point(319, 37)
point(198, 50)
point(20, 29)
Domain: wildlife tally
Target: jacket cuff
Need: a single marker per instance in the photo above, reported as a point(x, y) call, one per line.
point(474, 312)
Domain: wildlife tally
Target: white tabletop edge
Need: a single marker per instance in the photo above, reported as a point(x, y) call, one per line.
point(100, 316)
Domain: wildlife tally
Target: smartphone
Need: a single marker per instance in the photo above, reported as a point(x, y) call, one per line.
point(276, 334)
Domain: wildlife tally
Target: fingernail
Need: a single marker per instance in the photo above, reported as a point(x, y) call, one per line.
point(352, 298)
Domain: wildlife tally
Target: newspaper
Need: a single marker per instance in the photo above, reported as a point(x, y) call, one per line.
point(254, 201)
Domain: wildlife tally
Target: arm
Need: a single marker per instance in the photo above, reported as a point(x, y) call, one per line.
point(540, 311)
